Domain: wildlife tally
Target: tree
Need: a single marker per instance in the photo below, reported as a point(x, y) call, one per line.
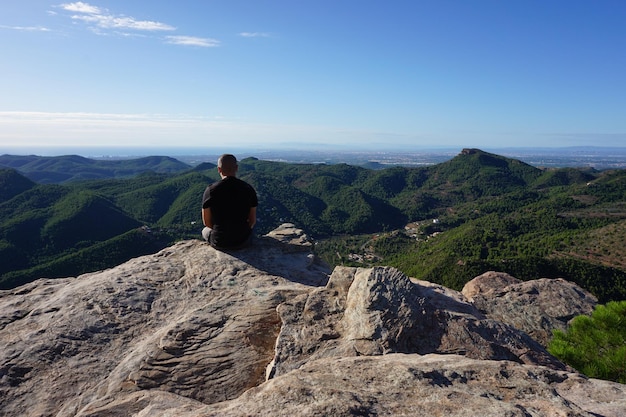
point(595, 345)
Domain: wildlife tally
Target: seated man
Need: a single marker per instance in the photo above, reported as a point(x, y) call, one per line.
point(228, 208)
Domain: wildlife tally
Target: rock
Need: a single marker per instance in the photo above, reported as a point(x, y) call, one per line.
point(487, 283)
point(400, 385)
point(430, 385)
point(537, 307)
point(192, 331)
point(378, 311)
point(190, 320)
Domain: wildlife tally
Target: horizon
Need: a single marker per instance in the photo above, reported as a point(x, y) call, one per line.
point(141, 151)
point(241, 74)
point(597, 157)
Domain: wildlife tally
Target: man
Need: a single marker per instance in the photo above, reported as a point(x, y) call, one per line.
point(228, 208)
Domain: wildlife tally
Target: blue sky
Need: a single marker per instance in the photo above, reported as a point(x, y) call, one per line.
point(364, 74)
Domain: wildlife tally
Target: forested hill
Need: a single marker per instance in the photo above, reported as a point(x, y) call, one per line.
point(12, 184)
point(63, 169)
point(445, 223)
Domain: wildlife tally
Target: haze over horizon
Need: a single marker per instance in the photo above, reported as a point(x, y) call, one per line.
point(312, 75)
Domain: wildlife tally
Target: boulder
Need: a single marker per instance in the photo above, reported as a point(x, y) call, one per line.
point(537, 307)
point(487, 283)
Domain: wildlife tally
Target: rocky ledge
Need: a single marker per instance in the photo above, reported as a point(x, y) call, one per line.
point(192, 331)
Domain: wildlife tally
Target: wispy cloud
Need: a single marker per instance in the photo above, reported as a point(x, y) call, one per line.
point(102, 19)
point(81, 7)
point(254, 34)
point(192, 41)
point(26, 28)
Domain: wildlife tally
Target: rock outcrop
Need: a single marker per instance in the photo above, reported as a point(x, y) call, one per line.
point(192, 331)
point(537, 307)
point(378, 311)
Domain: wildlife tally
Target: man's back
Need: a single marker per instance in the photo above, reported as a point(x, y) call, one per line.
point(230, 201)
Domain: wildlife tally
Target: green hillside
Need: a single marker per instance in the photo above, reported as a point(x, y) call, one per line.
point(63, 169)
point(445, 223)
point(12, 184)
point(99, 256)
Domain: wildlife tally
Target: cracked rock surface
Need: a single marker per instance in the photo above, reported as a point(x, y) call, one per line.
point(268, 330)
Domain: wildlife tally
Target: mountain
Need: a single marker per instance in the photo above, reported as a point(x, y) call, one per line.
point(444, 223)
point(476, 173)
point(12, 184)
point(63, 169)
point(50, 224)
point(270, 331)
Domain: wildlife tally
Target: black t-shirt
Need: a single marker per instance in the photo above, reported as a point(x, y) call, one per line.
point(230, 201)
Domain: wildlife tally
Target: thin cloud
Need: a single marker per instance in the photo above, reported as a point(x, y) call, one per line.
point(112, 22)
point(104, 20)
point(80, 7)
point(193, 41)
point(27, 28)
point(100, 20)
point(254, 34)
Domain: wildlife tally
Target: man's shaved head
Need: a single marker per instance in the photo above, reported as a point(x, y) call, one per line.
point(227, 164)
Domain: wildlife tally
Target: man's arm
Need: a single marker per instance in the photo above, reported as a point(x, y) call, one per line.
point(207, 218)
point(252, 217)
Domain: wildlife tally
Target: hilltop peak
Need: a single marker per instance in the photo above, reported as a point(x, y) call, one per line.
point(481, 173)
point(268, 330)
point(471, 151)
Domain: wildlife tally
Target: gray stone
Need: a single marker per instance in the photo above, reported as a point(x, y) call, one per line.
point(399, 385)
point(429, 385)
point(378, 311)
point(489, 282)
point(538, 307)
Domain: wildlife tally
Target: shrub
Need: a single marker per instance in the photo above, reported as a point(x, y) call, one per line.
point(595, 345)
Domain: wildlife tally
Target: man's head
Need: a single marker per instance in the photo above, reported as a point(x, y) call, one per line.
point(227, 165)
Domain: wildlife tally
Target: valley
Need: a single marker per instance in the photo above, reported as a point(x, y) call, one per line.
point(445, 222)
